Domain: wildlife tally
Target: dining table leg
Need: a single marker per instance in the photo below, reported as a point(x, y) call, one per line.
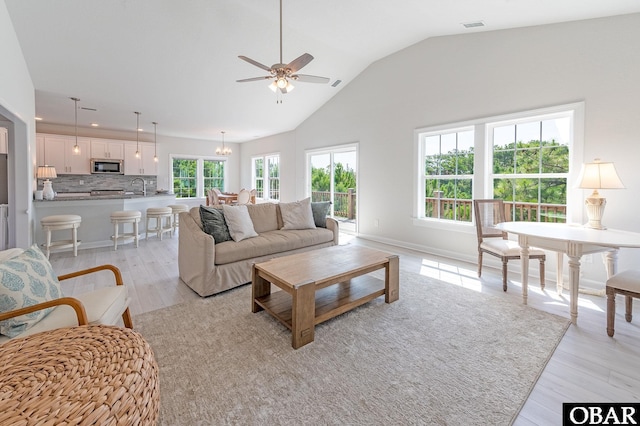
point(574, 253)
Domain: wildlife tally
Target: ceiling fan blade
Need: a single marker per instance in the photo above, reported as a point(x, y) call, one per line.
point(256, 63)
point(310, 78)
point(266, 77)
point(299, 62)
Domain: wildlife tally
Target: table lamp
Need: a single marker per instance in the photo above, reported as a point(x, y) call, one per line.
point(598, 175)
point(47, 172)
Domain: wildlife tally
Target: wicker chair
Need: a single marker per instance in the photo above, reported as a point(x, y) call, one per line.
point(494, 242)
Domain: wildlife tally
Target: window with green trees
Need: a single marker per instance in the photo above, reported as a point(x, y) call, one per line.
point(193, 177)
point(448, 171)
point(266, 180)
point(530, 168)
point(184, 177)
point(525, 161)
point(213, 174)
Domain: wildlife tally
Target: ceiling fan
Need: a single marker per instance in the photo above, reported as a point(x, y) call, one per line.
point(281, 74)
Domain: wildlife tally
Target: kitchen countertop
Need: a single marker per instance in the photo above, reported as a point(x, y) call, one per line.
point(86, 196)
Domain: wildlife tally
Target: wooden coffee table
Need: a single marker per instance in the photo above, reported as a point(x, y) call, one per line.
point(321, 284)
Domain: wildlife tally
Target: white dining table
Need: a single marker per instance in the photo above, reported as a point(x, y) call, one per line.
point(574, 241)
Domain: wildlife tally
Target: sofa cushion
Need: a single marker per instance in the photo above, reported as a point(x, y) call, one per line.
point(297, 215)
point(320, 210)
point(239, 222)
point(271, 242)
point(214, 224)
point(263, 216)
point(25, 280)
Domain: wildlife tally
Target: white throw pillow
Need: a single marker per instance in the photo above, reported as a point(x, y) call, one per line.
point(297, 215)
point(239, 222)
point(25, 280)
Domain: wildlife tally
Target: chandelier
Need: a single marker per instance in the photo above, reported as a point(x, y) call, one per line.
point(224, 150)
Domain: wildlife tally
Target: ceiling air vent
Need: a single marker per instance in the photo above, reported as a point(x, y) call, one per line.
point(335, 83)
point(473, 24)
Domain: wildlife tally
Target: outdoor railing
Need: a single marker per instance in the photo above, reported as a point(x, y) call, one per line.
point(344, 203)
point(462, 210)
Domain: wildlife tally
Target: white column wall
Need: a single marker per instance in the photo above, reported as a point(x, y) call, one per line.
point(17, 105)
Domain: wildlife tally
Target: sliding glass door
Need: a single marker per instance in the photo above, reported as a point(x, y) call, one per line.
point(332, 176)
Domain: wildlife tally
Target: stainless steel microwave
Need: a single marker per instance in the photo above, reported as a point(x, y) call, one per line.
point(114, 167)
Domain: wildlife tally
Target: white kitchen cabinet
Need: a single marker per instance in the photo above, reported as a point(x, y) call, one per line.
point(105, 148)
point(58, 152)
point(145, 165)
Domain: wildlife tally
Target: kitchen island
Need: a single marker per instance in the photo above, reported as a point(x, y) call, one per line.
point(96, 228)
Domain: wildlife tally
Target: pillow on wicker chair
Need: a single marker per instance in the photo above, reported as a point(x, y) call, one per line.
point(25, 280)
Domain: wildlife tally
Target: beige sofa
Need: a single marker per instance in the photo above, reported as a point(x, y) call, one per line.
point(210, 268)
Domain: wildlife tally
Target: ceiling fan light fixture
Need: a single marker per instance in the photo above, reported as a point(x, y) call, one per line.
point(273, 86)
point(282, 82)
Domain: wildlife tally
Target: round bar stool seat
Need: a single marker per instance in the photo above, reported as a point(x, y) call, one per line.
point(176, 209)
point(162, 216)
point(125, 216)
point(56, 223)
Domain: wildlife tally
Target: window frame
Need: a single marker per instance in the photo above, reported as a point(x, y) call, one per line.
point(200, 159)
point(482, 181)
point(266, 178)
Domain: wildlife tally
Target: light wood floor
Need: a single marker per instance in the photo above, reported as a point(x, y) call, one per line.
point(587, 366)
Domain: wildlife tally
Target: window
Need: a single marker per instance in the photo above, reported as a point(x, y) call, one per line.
point(526, 159)
point(531, 166)
point(194, 176)
point(448, 174)
point(184, 178)
point(213, 175)
point(266, 180)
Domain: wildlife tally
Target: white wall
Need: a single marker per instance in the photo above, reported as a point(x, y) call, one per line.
point(17, 106)
point(457, 78)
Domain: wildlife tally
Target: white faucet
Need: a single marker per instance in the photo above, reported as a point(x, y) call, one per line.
point(144, 185)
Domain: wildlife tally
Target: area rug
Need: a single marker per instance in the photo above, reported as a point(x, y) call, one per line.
point(441, 354)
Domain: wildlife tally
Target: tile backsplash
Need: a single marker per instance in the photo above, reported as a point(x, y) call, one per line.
point(88, 183)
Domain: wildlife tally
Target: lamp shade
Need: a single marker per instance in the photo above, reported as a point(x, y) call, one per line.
point(46, 172)
point(599, 175)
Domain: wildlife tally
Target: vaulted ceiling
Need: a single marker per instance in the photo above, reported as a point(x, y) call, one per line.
point(177, 62)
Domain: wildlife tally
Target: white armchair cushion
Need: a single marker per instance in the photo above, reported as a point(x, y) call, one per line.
point(103, 306)
point(25, 280)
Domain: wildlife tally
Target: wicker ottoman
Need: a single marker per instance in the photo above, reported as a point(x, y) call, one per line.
point(94, 374)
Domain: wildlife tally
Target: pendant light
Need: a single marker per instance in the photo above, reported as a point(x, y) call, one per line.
point(224, 150)
point(76, 148)
point(155, 142)
point(137, 133)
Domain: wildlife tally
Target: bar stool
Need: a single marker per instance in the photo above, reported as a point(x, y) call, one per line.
point(162, 215)
point(125, 216)
point(176, 209)
point(56, 223)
